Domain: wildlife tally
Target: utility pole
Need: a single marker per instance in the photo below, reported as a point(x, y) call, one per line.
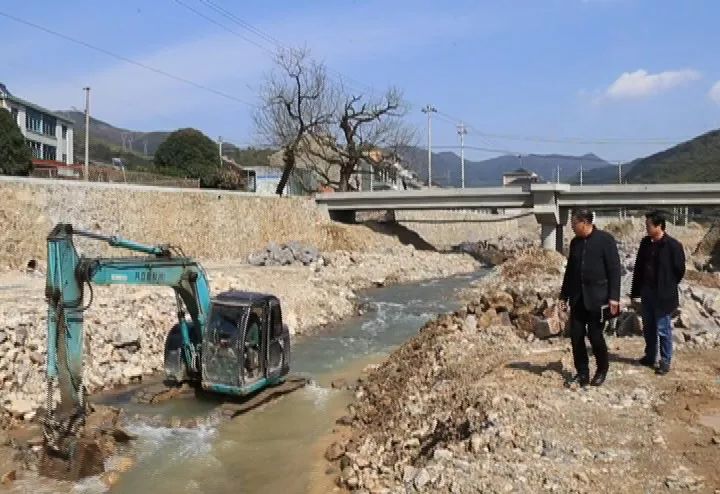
point(621, 212)
point(462, 131)
point(581, 173)
point(429, 109)
point(220, 149)
point(557, 173)
point(87, 132)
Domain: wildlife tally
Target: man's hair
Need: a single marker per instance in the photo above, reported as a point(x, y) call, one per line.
point(584, 215)
point(657, 219)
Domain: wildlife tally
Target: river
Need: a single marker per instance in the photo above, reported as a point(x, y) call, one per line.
point(279, 447)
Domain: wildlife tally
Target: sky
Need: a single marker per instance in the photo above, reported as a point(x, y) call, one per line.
point(618, 78)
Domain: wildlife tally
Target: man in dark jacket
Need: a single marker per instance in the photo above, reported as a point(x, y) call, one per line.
point(591, 281)
point(659, 268)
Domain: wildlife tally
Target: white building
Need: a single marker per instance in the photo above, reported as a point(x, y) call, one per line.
point(49, 136)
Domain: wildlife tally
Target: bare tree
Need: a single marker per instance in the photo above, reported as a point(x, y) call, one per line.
point(295, 106)
point(364, 130)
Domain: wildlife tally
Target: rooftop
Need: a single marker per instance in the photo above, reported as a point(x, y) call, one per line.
point(6, 94)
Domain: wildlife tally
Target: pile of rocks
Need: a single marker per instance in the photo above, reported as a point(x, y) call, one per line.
point(285, 255)
point(124, 341)
point(474, 402)
point(126, 328)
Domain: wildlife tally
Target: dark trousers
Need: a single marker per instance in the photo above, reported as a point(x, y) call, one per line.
point(584, 322)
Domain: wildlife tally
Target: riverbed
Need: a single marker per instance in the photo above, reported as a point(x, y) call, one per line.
point(278, 447)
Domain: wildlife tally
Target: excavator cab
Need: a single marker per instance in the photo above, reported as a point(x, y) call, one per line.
point(246, 346)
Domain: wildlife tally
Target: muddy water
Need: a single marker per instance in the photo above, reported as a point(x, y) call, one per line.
point(279, 447)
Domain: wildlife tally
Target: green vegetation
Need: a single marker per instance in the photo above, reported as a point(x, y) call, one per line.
point(193, 154)
point(14, 153)
point(697, 160)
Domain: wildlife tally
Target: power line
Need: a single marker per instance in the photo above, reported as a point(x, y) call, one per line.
point(128, 60)
point(541, 156)
point(223, 26)
point(266, 36)
point(343, 79)
point(566, 140)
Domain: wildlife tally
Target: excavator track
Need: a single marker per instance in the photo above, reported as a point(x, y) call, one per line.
point(158, 393)
point(232, 410)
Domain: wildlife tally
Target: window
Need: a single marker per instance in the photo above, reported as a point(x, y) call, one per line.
point(64, 131)
point(39, 123)
point(49, 124)
point(276, 320)
point(64, 160)
point(33, 121)
point(35, 149)
point(49, 152)
point(14, 112)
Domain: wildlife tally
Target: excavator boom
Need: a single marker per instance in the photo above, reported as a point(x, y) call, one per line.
point(234, 344)
point(67, 276)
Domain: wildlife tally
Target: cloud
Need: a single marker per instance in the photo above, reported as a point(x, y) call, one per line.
point(714, 93)
point(640, 83)
point(129, 95)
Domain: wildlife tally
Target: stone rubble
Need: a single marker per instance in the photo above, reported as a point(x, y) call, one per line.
point(125, 327)
point(285, 255)
point(482, 400)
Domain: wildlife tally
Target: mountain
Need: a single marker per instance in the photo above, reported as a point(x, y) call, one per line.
point(602, 175)
point(137, 148)
point(446, 167)
point(696, 160)
point(143, 143)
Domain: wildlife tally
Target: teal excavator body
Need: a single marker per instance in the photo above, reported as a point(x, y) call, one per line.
point(234, 343)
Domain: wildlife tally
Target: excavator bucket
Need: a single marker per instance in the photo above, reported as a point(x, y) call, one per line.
point(80, 457)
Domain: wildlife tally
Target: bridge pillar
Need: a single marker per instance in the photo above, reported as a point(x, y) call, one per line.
point(548, 214)
point(548, 236)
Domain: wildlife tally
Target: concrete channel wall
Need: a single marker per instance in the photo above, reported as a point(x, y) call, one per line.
point(206, 224)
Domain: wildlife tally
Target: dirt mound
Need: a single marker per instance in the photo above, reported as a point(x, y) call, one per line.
point(470, 405)
point(531, 262)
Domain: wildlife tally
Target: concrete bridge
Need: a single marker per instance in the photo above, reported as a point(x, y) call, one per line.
point(550, 203)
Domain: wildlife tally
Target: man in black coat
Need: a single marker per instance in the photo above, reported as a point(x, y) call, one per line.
point(591, 281)
point(659, 268)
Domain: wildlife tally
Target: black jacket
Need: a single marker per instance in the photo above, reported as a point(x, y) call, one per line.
point(669, 271)
point(593, 271)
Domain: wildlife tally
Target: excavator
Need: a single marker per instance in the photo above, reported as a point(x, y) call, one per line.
point(234, 343)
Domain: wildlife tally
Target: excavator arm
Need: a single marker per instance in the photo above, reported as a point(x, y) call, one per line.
point(68, 274)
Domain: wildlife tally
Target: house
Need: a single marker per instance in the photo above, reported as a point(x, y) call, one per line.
point(521, 176)
point(49, 136)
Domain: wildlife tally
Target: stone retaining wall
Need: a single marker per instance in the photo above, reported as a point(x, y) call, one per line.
point(206, 224)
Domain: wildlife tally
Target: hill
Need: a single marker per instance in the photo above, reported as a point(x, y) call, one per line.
point(136, 148)
point(143, 143)
point(446, 167)
point(696, 160)
point(602, 175)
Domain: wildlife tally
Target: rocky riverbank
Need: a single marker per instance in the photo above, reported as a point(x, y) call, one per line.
point(482, 401)
point(126, 327)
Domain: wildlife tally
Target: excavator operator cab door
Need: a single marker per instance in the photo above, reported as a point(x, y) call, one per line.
point(246, 345)
point(253, 343)
point(221, 356)
point(266, 344)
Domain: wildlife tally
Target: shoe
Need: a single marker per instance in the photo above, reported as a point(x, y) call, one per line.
point(582, 379)
point(647, 361)
point(662, 369)
point(598, 379)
